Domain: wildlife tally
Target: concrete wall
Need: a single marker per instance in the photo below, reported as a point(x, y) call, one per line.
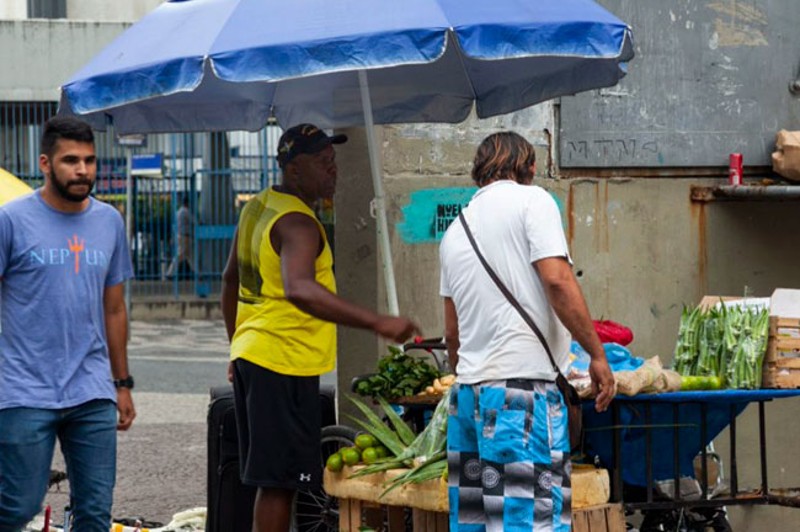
point(39, 55)
point(13, 9)
point(103, 10)
point(93, 10)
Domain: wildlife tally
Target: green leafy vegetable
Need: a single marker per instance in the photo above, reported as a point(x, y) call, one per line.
point(398, 375)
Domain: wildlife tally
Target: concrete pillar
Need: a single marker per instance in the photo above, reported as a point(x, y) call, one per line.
point(357, 260)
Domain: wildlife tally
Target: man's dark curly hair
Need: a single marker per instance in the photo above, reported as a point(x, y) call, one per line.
point(64, 127)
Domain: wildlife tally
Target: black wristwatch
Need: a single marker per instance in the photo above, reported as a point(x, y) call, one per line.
point(127, 382)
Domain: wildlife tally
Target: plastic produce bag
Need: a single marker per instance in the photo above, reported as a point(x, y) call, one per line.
point(613, 332)
point(619, 358)
point(666, 381)
point(639, 380)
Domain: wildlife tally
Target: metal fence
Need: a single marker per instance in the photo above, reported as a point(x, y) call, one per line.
point(216, 172)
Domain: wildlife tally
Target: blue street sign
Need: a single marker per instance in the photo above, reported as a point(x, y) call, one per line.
point(149, 164)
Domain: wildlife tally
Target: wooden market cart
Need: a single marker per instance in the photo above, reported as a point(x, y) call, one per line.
point(360, 502)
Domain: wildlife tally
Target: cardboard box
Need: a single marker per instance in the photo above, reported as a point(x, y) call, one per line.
point(590, 486)
point(782, 361)
point(786, 157)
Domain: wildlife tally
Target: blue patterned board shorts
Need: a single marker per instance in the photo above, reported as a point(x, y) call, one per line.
point(508, 457)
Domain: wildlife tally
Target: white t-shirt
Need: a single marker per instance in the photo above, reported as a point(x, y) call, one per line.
point(514, 225)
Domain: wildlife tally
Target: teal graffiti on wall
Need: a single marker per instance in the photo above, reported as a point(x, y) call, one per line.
point(431, 211)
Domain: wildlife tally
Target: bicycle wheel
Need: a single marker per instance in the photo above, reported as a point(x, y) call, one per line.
point(315, 510)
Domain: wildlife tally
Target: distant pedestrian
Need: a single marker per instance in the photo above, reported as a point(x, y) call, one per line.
point(281, 309)
point(182, 264)
point(63, 360)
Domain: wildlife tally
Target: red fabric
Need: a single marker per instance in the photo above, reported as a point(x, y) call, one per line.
point(611, 331)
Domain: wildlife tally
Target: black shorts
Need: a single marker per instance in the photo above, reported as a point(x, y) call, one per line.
point(279, 424)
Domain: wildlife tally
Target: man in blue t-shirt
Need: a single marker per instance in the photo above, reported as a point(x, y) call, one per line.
point(63, 360)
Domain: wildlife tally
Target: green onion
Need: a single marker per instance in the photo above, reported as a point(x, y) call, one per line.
point(377, 428)
point(726, 342)
point(401, 428)
point(433, 468)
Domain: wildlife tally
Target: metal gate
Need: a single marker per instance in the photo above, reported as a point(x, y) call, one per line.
point(214, 173)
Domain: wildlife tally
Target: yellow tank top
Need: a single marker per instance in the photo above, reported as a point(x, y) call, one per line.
point(270, 331)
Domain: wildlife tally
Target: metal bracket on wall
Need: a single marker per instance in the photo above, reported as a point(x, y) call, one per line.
point(794, 86)
point(746, 193)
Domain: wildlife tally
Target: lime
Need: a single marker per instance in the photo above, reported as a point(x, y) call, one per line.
point(334, 463)
point(350, 455)
point(692, 382)
point(369, 455)
point(382, 451)
point(365, 440)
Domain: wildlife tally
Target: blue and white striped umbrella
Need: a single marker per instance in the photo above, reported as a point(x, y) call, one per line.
point(203, 65)
point(216, 65)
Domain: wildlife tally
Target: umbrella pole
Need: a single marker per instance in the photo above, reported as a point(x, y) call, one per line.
point(379, 202)
point(129, 226)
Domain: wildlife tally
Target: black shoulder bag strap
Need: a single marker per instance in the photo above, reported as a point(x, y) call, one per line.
point(508, 294)
point(571, 398)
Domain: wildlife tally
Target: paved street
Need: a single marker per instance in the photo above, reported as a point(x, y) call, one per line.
point(162, 459)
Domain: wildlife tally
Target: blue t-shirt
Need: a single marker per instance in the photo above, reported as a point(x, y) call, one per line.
point(54, 268)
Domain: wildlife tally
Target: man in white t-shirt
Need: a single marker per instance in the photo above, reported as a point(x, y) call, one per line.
point(508, 441)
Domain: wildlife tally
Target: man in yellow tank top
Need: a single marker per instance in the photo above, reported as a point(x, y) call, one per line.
point(281, 309)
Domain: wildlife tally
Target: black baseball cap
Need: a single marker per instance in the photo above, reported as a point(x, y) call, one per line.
point(304, 138)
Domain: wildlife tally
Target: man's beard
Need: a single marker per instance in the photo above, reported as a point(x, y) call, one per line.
point(63, 189)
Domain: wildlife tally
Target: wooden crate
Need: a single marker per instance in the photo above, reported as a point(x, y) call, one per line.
point(430, 495)
point(424, 521)
point(601, 518)
point(782, 360)
point(590, 487)
point(360, 497)
point(355, 514)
